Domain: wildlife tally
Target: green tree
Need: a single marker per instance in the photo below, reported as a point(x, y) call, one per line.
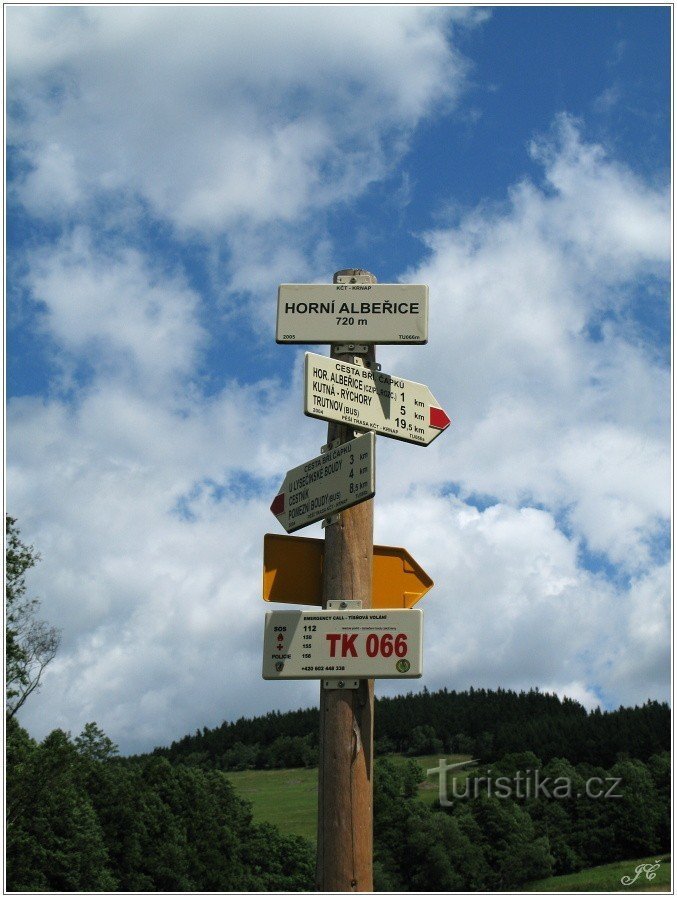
point(54, 839)
point(659, 768)
point(412, 775)
point(440, 857)
point(30, 644)
point(94, 745)
point(424, 741)
point(635, 818)
point(513, 851)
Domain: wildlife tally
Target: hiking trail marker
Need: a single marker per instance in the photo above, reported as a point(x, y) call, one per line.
point(293, 565)
point(366, 627)
point(352, 313)
point(339, 478)
point(352, 394)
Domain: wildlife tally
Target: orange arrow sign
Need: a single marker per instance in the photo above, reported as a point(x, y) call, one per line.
point(292, 572)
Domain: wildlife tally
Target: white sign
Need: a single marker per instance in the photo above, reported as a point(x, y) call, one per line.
point(356, 644)
point(352, 313)
point(372, 400)
point(338, 479)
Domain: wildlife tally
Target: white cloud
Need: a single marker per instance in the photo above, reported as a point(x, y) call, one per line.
point(610, 217)
point(219, 115)
point(115, 309)
point(542, 412)
point(161, 612)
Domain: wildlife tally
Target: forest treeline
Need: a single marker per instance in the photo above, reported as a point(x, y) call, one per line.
point(490, 843)
point(81, 818)
point(486, 724)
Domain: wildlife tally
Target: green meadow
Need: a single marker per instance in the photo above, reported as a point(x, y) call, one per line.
point(608, 878)
point(288, 798)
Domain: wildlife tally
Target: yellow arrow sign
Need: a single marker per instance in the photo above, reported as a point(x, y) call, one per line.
point(292, 572)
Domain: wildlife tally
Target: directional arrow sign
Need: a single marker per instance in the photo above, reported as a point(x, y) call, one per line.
point(356, 313)
point(341, 477)
point(292, 572)
point(373, 400)
point(355, 644)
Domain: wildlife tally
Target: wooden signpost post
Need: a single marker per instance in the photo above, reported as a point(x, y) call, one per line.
point(358, 634)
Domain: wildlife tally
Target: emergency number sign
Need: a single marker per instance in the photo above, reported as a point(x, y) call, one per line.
point(353, 644)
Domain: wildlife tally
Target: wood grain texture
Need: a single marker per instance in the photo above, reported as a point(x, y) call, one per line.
point(345, 785)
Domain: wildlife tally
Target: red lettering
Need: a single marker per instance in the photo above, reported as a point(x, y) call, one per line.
point(401, 645)
point(372, 645)
point(333, 639)
point(349, 646)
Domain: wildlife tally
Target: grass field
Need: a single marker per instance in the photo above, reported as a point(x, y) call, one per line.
point(608, 879)
point(288, 798)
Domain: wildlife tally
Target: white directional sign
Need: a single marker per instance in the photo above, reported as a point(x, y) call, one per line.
point(356, 644)
point(335, 480)
point(352, 313)
point(372, 400)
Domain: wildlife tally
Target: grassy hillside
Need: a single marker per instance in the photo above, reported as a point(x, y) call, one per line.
point(288, 798)
point(608, 879)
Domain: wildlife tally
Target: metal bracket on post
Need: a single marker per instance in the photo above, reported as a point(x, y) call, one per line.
point(331, 519)
point(344, 348)
point(361, 360)
point(354, 276)
point(328, 446)
point(340, 684)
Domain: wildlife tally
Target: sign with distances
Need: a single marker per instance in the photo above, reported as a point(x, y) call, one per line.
point(292, 572)
point(356, 644)
point(356, 313)
point(350, 394)
point(331, 482)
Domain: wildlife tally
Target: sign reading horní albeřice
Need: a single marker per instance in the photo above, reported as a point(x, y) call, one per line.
point(352, 313)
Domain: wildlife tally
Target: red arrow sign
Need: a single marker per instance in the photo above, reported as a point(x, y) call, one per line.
point(439, 418)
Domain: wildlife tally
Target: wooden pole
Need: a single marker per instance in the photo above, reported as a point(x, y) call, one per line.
point(345, 839)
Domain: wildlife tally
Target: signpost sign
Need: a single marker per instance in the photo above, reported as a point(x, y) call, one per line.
point(329, 483)
point(365, 626)
point(350, 394)
point(306, 645)
point(358, 313)
point(292, 572)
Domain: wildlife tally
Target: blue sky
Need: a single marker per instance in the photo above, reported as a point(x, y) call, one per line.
point(168, 167)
